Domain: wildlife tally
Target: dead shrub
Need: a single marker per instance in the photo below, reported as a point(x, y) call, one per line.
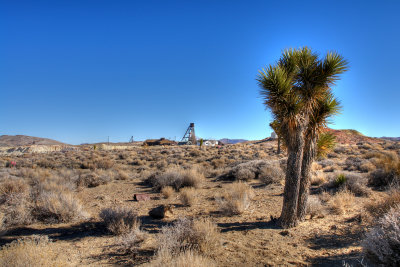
point(388, 171)
point(199, 235)
point(235, 199)
point(104, 164)
point(34, 251)
point(131, 241)
point(377, 209)
point(352, 182)
point(167, 191)
point(176, 178)
point(314, 207)
point(187, 258)
point(271, 174)
point(381, 245)
point(188, 196)
point(58, 206)
point(15, 206)
point(123, 175)
point(341, 202)
point(119, 220)
point(92, 179)
point(218, 163)
point(318, 178)
point(367, 167)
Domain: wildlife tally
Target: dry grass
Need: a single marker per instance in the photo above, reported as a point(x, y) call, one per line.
point(318, 179)
point(377, 209)
point(187, 258)
point(58, 207)
point(132, 241)
point(34, 251)
point(200, 235)
point(188, 196)
point(342, 202)
point(167, 191)
point(315, 207)
point(119, 220)
point(388, 170)
point(235, 199)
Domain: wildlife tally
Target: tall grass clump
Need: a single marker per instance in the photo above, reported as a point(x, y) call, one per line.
point(235, 199)
point(200, 235)
point(119, 220)
point(34, 251)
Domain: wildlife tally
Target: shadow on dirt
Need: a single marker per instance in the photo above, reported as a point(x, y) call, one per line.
point(73, 232)
point(352, 259)
point(245, 226)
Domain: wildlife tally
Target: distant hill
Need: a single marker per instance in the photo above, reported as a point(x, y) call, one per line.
point(350, 136)
point(24, 140)
point(227, 141)
point(391, 138)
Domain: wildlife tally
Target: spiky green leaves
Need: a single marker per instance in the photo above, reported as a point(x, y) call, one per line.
point(325, 144)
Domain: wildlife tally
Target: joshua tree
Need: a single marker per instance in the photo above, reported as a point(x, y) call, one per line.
point(297, 89)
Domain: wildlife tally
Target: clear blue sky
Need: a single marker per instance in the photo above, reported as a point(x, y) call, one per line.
point(79, 71)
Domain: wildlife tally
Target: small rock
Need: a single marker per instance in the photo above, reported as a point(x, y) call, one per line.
point(162, 211)
point(141, 197)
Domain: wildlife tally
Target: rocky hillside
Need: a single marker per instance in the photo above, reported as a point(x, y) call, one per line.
point(24, 140)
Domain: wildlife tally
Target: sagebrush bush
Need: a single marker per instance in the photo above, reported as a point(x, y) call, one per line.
point(176, 178)
point(265, 170)
point(92, 179)
point(353, 182)
point(271, 174)
point(235, 199)
point(381, 245)
point(34, 251)
point(119, 220)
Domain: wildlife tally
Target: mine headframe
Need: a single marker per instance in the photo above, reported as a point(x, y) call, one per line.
point(190, 137)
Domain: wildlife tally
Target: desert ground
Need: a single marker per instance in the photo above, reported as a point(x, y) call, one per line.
point(77, 207)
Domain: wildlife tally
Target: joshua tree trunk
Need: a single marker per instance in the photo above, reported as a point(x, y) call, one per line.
point(292, 182)
point(308, 158)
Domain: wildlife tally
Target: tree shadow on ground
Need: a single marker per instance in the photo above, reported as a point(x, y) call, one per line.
point(123, 258)
point(335, 240)
point(245, 226)
point(152, 225)
point(72, 232)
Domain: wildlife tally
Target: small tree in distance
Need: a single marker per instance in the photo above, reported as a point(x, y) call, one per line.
point(297, 90)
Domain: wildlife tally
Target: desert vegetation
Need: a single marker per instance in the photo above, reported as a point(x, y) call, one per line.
point(222, 202)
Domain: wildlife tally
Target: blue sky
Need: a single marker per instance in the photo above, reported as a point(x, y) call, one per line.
point(79, 71)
